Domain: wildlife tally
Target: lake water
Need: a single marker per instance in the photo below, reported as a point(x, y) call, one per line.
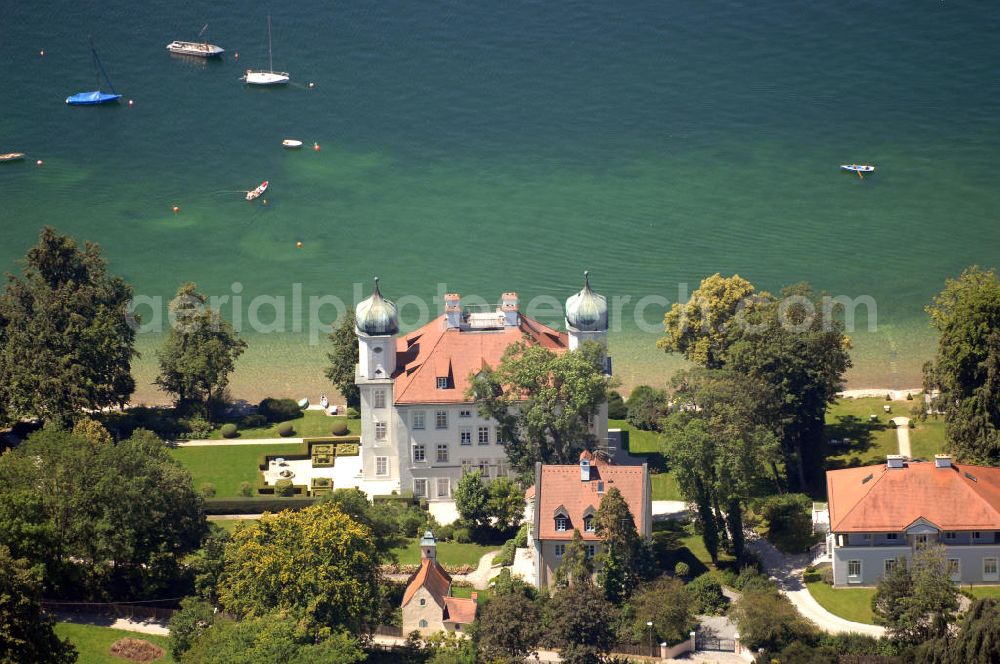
point(509, 146)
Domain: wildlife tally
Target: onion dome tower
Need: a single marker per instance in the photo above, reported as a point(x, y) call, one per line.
point(376, 324)
point(586, 316)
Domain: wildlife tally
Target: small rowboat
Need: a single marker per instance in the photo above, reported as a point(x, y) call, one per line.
point(12, 156)
point(255, 193)
point(857, 168)
point(292, 143)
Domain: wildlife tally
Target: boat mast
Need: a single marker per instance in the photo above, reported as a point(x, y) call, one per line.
point(270, 63)
point(100, 68)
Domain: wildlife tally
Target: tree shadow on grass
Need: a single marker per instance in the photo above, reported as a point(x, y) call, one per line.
point(859, 434)
point(669, 549)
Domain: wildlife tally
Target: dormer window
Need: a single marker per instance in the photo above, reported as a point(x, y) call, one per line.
point(562, 523)
point(442, 382)
point(588, 524)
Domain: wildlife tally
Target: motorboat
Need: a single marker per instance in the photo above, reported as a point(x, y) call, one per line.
point(197, 49)
point(12, 156)
point(858, 168)
point(255, 193)
point(291, 143)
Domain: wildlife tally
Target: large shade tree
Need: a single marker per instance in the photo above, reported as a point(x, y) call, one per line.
point(200, 351)
point(100, 520)
point(543, 401)
point(917, 601)
point(66, 338)
point(26, 634)
point(966, 369)
point(581, 624)
point(318, 560)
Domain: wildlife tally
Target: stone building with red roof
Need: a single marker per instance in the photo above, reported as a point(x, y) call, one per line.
point(428, 606)
point(880, 513)
point(419, 432)
point(565, 498)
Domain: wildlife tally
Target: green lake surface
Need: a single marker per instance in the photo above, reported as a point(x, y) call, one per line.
point(481, 147)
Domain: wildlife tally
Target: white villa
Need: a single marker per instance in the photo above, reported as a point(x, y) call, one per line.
point(419, 432)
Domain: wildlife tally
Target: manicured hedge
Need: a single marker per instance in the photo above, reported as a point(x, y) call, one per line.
point(279, 410)
point(347, 449)
point(285, 429)
point(254, 505)
point(339, 428)
point(228, 430)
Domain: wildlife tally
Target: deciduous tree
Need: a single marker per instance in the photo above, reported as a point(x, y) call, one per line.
point(509, 628)
point(917, 602)
point(200, 351)
point(278, 637)
point(699, 328)
point(66, 342)
point(966, 369)
point(580, 622)
point(472, 500)
point(26, 634)
point(666, 604)
point(646, 407)
point(318, 560)
point(977, 640)
point(93, 532)
point(343, 358)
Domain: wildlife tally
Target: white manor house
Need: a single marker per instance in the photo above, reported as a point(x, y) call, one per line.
point(419, 433)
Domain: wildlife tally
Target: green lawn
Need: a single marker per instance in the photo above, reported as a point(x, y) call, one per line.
point(674, 543)
point(230, 524)
point(226, 466)
point(872, 441)
point(648, 442)
point(93, 642)
point(448, 553)
point(981, 592)
point(854, 604)
point(467, 592)
point(313, 423)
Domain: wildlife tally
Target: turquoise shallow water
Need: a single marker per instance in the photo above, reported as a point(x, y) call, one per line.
point(509, 146)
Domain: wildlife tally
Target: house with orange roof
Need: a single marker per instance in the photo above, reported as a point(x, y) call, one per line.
point(565, 498)
point(880, 513)
point(419, 431)
point(428, 606)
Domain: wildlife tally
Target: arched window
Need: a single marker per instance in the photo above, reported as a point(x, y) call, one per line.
point(423, 623)
point(423, 602)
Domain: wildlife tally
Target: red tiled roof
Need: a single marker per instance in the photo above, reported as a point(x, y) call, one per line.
point(432, 576)
point(561, 487)
point(422, 355)
point(459, 610)
point(893, 498)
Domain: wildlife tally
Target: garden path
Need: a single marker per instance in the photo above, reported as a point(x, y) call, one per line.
point(903, 435)
point(787, 570)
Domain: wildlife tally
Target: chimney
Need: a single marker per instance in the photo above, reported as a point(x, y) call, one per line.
point(895, 460)
point(453, 309)
point(584, 470)
point(509, 306)
point(942, 461)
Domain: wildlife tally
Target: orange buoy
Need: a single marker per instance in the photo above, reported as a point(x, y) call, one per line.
point(39, 162)
point(176, 209)
point(316, 147)
point(298, 244)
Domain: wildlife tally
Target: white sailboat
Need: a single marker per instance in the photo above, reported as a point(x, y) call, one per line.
point(269, 77)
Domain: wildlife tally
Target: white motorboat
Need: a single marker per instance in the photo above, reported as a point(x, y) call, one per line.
point(197, 49)
point(291, 143)
point(858, 168)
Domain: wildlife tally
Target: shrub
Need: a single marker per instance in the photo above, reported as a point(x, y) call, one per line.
point(750, 579)
point(506, 555)
point(353, 413)
point(228, 430)
point(339, 428)
point(909, 396)
point(322, 460)
point(284, 488)
point(198, 427)
point(706, 592)
point(888, 397)
point(826, 575)
point(207, 490)
point(445, 533)
point(682, 569)
point(246, 489)
point(254, 421)
point(279, 410)
point(285, 429)
point(616, 406)
point(789, 521)
point(347, 449)
point(463, 535)
point(521, 539)
point(646, 405)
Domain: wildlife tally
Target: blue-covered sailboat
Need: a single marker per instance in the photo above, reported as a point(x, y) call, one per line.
point(95, 97)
